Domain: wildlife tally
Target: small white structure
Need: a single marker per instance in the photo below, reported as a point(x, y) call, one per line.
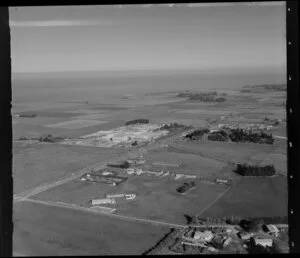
point(109, 196)
point(103, 201)
point(245, 235)
point(273, 230)
point(263, 242)
point(166, 174)
point(222, 181)
point(139, 171)
point(205, 236)
point(130, 171)
point(130, 196)
point(189, 176)
point(177, 176)
point(106, 173)
point(212, 249)
point(227, 241)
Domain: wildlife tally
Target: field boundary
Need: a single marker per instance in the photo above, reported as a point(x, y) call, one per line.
point(118, 216)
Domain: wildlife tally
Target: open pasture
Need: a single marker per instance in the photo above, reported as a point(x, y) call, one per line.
point(41, 230)
point(189, 163)
point(156, 197)
point(224, 151)
point(253, 197)
point(76, 124)
point(37, 164)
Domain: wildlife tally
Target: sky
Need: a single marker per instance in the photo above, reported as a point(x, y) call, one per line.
point(221, 36)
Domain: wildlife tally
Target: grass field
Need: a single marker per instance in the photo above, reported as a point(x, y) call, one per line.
point(253, 197)
point(233, 152)
point(76, 124)
point(37, 164)
point(49, 231)
point(156, 199)
point(189, 163)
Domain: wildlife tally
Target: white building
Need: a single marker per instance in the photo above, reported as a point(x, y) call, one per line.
point(103, 201)
point(263, 242)
point(130, 196)
point(177, 176)
point(109, 196)
point(227, 241)
point(205, 236)
point(222, 181)
point(130, 171)
point(272, 229)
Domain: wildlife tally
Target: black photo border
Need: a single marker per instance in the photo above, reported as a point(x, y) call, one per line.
point(292, 108)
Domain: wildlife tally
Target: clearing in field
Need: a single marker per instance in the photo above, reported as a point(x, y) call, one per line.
point(138, 133)
point(253, 197)
point(41, 230)
point(37, 164)
point(76, 124)
point(156, 197)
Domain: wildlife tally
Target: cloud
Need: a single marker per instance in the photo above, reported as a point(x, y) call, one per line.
point(56, 23)
point(275, 3)
point(209, 4)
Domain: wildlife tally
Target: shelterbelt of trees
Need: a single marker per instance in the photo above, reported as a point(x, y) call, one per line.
point(234, 135)
point(203, 96)
point(137, 121)
point(275, 87)
point(249, 170)
point(240, 135)
point(186, 186)
point(173, 127)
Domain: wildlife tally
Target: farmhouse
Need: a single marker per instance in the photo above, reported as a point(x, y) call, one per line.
point(222, 181)
point(272, 229)
point(205, 236)
point(245, 235)
point(265, 242)
point(227, 241)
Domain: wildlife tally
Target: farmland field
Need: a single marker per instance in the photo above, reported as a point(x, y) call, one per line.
point(157, 198)
point(253, 197)
point(48, 231)
point(38, 164)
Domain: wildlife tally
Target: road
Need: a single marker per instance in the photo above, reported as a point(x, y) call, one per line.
point(84, 209)
point(280, 137)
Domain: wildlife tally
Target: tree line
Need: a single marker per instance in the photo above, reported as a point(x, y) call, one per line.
point(249, 170)
point(137, 121)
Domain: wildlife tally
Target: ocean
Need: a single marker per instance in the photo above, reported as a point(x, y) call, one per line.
point(46, 90)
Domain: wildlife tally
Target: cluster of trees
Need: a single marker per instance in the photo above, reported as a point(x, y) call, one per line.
point(137, 121)
point(276, 87)
point(123, 165)
point(28, 115)
point(249, 170)
point(197, 134)
point(236, 220)
point(172, 127)
point(240, 135)
point(220, 136)
point(275, 122)
point(50, 138)
point(203, 96)
point(186, 186)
